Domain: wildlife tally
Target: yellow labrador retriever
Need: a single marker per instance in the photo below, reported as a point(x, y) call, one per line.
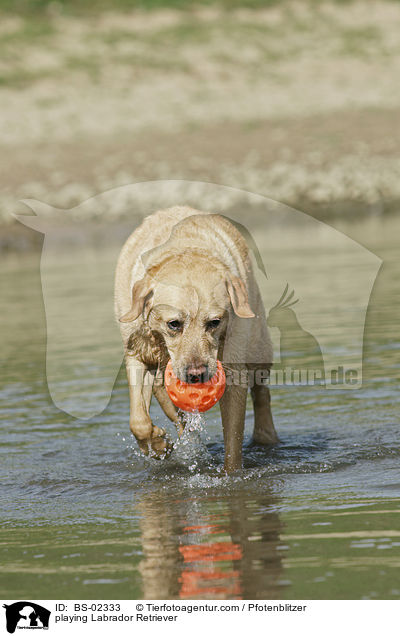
point(185, 291)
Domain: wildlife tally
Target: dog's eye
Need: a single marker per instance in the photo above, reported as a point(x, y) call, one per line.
point(174, 325)
point(213, 324)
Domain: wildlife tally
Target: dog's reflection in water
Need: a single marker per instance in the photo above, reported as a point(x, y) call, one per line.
point(222, 548)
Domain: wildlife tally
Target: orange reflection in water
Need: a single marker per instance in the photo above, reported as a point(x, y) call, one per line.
point(209, 571)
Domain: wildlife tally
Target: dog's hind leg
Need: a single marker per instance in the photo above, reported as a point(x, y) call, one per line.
point(264, 429)
point(151, 439)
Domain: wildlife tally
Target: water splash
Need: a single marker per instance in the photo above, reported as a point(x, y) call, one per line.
point(190, 449)
point(193, 422)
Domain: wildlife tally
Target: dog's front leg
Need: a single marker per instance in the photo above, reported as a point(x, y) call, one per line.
point(166, 404)
point(233, 409)
point(151, 439)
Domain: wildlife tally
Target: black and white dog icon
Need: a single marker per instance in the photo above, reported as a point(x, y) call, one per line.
point(26, 614)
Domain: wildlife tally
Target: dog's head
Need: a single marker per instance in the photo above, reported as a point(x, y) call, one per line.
point(188, 299)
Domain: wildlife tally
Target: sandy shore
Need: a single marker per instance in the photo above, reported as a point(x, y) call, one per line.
point(298, 104)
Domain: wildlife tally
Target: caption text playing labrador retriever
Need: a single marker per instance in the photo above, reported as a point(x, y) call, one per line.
point(185, 291)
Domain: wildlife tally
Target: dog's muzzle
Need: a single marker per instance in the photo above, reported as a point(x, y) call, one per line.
point(196, 374)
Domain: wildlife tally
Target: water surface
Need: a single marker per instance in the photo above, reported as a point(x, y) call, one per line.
point(84, 515)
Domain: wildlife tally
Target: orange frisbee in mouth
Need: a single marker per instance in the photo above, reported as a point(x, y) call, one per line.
point(195, 397)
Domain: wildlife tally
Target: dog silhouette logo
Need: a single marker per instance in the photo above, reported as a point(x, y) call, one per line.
point(83, 343)
point(26, 615)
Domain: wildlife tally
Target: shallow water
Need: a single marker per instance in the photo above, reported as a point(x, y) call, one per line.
point(84, 515)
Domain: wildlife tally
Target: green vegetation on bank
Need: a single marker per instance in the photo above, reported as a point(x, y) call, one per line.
point(93, 6)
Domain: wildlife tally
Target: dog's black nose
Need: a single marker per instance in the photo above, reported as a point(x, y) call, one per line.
point(196, 374)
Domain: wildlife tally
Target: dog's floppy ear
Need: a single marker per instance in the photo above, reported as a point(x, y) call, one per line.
point(239, 298)
point(141, 294)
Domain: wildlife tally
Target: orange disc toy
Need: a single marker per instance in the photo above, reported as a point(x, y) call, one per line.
point(195, 397)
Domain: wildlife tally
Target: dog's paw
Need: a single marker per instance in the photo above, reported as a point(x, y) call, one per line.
point(159, 446)
point(265, 438)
